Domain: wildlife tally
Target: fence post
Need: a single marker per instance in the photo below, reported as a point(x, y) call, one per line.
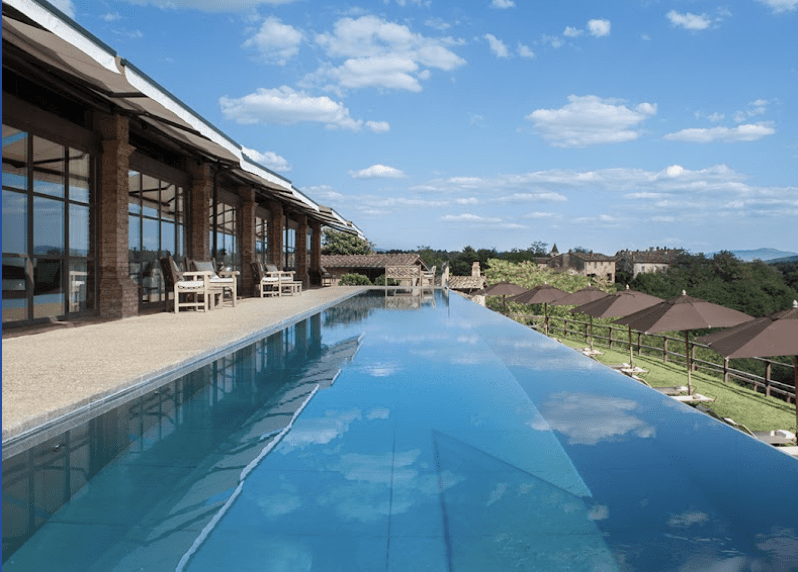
point(566, 327)
point(639, 347)
point(585, 333)
point(664, 349)
point(725, 370)
point(768, 370)
point(693, 365)
point(610, 337)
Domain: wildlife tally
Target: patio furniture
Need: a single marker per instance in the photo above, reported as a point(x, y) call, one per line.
point(193, 286)
point(266, 283)
point(221, 282)
point(287, 283)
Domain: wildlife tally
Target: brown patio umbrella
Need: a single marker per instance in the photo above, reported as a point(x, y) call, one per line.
point(618, 304)
point(773, 335)
point(683, 313)
point(580, 297)
point(542, 294)
point(502, 289)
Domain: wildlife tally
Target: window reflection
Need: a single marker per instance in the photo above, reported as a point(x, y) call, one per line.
point(15, 158)
point(49, 167)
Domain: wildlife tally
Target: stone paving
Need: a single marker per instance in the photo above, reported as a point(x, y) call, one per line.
point(51, 375)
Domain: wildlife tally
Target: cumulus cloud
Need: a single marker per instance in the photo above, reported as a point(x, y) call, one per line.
point(378, 126)
point(779, 6)
point(525, 52)
point(378, 172)
point(498, 47)
point(380, 54)
point(571, 32)
point(268, 159)
point(276, 42)
point(689, 21)
point(286, 106)
point(599, 28)
point(483, 222)
point(502, 4)
point(748, 132)
point(590, 120)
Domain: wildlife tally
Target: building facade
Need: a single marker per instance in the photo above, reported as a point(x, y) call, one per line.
point(104, 173)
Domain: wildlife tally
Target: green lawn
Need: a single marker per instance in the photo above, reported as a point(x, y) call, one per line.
point(754, 410)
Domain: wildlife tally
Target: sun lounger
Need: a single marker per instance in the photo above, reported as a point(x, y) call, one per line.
point(693, 399)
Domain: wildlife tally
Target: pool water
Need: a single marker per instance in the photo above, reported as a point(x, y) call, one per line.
point(402, 433)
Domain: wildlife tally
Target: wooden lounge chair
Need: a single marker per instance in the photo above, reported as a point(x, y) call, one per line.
point(266, 283)
point(193, 286)
point(221, 282)
point(287, 283)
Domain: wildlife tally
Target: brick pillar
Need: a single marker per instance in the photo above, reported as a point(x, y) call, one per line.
point(315, 246)
point(201, 189)
point(118, 293)
point(247, 226)
point(276, 230)
point(302, 258)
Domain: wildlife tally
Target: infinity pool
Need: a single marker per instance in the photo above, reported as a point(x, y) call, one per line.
point(402, 433)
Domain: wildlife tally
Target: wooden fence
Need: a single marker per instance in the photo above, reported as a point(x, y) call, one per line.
point(668, 349)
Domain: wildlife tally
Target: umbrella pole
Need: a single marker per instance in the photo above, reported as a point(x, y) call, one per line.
point(687, 356)
point(591, 333)
point(795, 374)
point(631, 353)
point(545, 320)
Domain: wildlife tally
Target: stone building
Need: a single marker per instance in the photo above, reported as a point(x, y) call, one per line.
point(104, 172)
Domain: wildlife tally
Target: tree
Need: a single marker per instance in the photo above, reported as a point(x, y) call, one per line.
point(339, 242)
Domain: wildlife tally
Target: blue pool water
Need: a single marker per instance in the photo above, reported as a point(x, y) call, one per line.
point(391, 433)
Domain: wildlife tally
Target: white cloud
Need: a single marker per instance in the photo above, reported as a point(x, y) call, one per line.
point(111, 17)
point(689, 21)
point(286, 106)
point(268, 159)
point(599, 28)
point(498, 47)
point(324, 193)
point(590, 120)
point(542, 215)
point(378, 126)
point(779, 6)
point(532, 197)
point(572, 32)
point(380, 54)
point(554, 41)
point(66, 6)
point(276, 42)
point(525, 52)
point(483, 222)
point(747, 132)
point(378, 172)
point(502, 4)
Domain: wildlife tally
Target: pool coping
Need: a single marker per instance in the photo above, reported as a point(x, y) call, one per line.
point(41, 426)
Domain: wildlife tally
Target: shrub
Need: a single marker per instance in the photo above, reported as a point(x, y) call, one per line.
point(354, 280)
point(381, 281)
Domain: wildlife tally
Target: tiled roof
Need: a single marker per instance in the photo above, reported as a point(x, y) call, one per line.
point(467, 282)
point(369, 260)
point(659, 256)
point(593, 257)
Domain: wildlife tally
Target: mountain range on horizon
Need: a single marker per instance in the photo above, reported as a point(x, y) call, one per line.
point(763, 254)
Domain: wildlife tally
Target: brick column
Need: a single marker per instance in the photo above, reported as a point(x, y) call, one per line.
point(302, 258)
point(276, 230)
point(247, 227)
point(118, 294)
point(201, 189)
point(315, 246)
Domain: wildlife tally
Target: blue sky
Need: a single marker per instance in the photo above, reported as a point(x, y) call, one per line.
point(498, 123)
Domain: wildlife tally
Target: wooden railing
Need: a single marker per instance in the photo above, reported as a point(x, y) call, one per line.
point(668, 349)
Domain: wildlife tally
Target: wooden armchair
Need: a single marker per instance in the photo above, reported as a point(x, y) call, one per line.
point(266, 283)
point(221, 282)
point(288, 285)
point(194, 286)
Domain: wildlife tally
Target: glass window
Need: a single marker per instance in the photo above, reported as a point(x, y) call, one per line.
point(15, 222)
point(15, 158)
point(78, 230)
point(48, 292)
point(49, 167)
point(78, 176)
point(15, 287)
point(48, 226)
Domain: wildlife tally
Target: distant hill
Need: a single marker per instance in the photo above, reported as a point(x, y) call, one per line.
point(787, 259)
point(763, 254)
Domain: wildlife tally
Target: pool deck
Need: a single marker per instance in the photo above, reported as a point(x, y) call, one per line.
point(61, 372)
